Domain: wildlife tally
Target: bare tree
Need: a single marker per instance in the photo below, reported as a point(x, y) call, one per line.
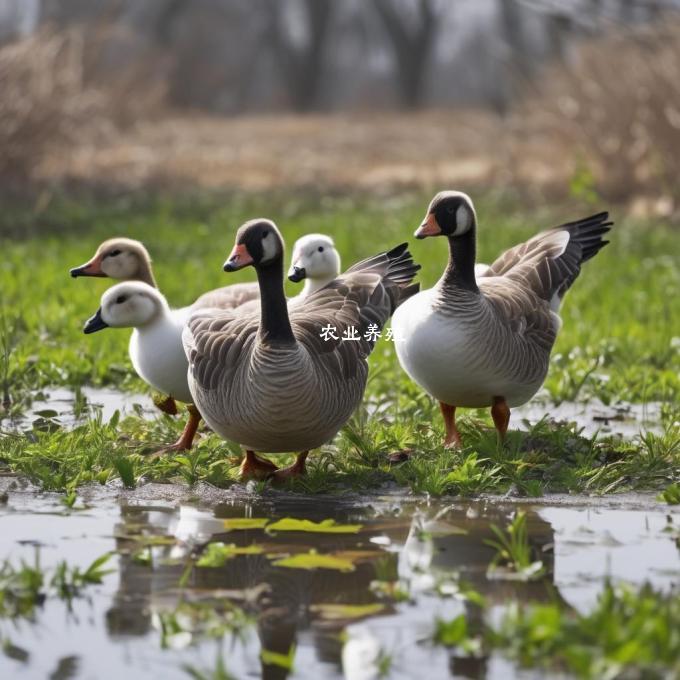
point(412, 43)
point(301, 64)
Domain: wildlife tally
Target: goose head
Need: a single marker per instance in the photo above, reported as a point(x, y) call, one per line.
point(118, 258)
point(450, 213)
point(314, 258)
point(258, 243)
point(127, 305)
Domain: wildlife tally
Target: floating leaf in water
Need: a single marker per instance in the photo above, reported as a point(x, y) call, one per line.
point(314, 560)
point(340, 612)
point(216, 554)
point(46, 413)
point(143, 557)
point(326, 526)
point(277, 659)
point(241, 523)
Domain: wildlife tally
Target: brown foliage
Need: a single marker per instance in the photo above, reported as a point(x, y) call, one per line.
point(47, 101)
point(616, 111)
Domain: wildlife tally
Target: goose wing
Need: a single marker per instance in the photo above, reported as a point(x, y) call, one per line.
point(340, 323)
point(519, 310)
point(549, 262)
point(215, 342)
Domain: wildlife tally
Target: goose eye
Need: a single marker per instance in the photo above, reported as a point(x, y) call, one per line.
point(321, 249)
point(450, 209)
point(114, 253)
point(120, 299)
point(265, 234)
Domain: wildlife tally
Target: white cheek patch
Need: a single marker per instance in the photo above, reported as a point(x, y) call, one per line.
point(463, 220)
point(268, 248)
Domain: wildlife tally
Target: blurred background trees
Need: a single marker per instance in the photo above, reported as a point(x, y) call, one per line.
point(238, 55)
point(512, 59)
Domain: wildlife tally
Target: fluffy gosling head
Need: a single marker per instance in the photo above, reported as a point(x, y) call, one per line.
point(315, 259)
point(127, 305)
point(123, 259)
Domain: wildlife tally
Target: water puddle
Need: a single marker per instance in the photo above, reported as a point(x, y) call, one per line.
point(626, 420)
point(62, 407)
point(318, 593)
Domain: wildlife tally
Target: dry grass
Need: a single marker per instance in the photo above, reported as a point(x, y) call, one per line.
point(44, 102)
point(616, 113)
point(611, 120)
point(49, 103)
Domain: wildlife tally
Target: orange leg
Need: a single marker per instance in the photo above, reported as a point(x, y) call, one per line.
point(254, 467)
point(186, 439)
point(500, 413)
point(297, 469)
point(452, 440)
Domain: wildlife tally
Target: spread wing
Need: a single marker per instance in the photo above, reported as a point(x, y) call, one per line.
point(549, 263)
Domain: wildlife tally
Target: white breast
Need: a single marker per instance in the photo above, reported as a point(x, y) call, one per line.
point(442, 354)
point(158, 356)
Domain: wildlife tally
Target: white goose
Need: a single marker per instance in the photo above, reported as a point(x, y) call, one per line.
point(485, 340)
point(155, 345)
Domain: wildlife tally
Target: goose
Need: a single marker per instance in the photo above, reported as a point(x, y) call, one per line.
point(315, 260)
point(287, 381)
point(155, 345)
point(485, 340)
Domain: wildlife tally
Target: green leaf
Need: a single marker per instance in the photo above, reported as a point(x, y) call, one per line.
point(451, 633)
point(277, 659)
point(336, 612)
point(216, 554)
point(242, 523)
point(327, 526)
point(314, 560)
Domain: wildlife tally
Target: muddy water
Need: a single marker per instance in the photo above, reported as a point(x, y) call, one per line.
point(124, 628)
point(63, 407)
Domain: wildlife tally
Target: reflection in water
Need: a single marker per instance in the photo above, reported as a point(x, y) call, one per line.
point(420, 550)
point(161, 611)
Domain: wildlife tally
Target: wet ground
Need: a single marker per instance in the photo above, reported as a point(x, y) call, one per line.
point(378, 596)
point(65, 407)
point(373, 593)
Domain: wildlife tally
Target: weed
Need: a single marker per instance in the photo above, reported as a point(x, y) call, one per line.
point(515, 557)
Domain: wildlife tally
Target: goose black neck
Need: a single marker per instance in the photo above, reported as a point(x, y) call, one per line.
point(274, 322)
point(460, 271)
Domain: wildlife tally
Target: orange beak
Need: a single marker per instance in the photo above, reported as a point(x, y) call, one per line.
point(91, 268)
point(429, 227)
point(239, 258)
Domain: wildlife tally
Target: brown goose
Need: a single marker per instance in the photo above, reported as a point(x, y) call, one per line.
point(278, 383)
point(486, 340)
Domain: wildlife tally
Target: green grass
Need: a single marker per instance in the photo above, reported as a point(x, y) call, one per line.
point(629, 633)
point(619, 342)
